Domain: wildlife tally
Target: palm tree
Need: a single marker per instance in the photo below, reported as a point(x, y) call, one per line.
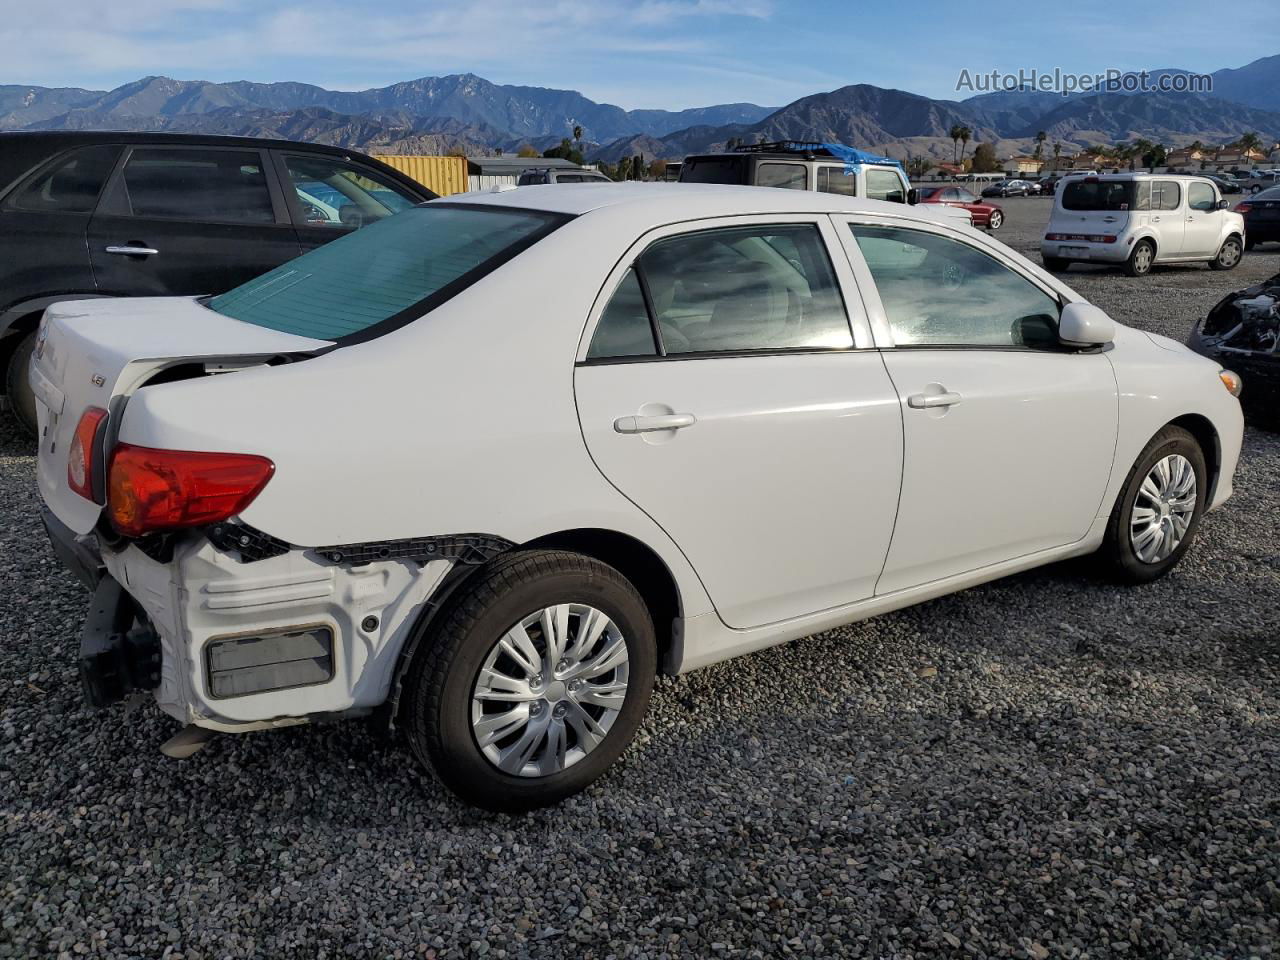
point(577, 136)
point(1057, 152)
point(1250, 141)
point(955, 142)
point(965, 134)
point(1041, 137)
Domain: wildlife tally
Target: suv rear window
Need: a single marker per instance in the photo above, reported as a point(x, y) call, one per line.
point(387, 274)
point(1099, 195)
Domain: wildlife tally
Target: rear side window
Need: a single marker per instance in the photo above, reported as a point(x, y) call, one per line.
point(216, 185)
point(838, 180)
point(885, 185)
point(72, 185)
point(624, 329)
point(789, 176)
point(739, 289)
point(388, 274)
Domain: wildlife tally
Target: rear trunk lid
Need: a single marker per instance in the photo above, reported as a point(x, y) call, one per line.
point(96, 353)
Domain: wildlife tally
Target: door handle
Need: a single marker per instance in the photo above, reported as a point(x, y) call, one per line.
point(128, 251)
point(671, 421)
point(1109, 219)
point(924, 401)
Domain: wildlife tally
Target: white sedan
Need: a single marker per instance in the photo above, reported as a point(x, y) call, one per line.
point(491, 464)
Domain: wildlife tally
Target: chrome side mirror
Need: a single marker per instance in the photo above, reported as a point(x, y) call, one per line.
point(1084, 325)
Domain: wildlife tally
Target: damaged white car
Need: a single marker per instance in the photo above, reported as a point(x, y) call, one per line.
point(490, 465)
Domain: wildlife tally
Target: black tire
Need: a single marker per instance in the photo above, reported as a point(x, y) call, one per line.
point(1256, 188)
point(1139, 265)
point(996, 221)
point(1056, 264)
point(1229, 254)
point(17, 385)
point(439, 686)
point(1117, 554)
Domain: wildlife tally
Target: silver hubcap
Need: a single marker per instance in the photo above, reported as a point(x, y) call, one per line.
point(1142, 257)
point(996, 220)
point(1163, 509)
point(549, 690)
point(1230, 253)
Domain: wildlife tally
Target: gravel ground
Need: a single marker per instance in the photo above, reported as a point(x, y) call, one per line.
point(1047, 766)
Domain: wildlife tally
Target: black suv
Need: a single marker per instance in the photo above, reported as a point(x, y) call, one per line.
point(136, 214)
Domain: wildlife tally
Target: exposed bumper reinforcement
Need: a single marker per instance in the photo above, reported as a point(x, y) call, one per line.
point(116, 657)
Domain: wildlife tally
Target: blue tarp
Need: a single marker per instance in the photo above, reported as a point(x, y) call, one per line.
point(852, 156)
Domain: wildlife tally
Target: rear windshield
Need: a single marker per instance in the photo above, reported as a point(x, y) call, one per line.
point(1098, 195)
point(387, 274)
point(714, 170)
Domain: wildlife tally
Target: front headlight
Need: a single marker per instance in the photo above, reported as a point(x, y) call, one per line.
point(1231, 381)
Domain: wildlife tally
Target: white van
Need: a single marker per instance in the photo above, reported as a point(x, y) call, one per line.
point(1140, 219)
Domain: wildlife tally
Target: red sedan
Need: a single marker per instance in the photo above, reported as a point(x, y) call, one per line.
point(984, 214)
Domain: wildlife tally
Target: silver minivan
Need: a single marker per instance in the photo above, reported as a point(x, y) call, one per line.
point(1136, 220)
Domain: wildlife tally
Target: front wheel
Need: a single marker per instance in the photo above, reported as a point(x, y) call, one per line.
point(22, 400)
point(1159, 508)
point(996, 221)
point(534, 682)
point(1228, 255)
point(1140, 261)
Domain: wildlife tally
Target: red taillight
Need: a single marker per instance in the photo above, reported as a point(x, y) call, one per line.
point(154, 490)
point(1244, 206)
point(80, 457)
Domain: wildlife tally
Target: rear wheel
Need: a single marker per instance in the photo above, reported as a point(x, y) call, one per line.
point(996, 221)
point(1140, 261)
point(535, 681)
point(22, 401)
point(1056, 264)
point(1228, 255)
point(1159, 509)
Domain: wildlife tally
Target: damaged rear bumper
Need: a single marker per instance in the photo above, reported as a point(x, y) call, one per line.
point(1242, 332)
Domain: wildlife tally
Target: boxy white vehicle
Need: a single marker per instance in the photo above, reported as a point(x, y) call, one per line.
point(492, 463)
point(1136, 220)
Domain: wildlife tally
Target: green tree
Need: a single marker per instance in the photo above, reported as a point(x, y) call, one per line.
point(577, 136)
point(564, 152)
point(1041, 137)
point(955, 142)
point(984, 158)
point(637, 167)
point(965, 136)
point(1250, 141)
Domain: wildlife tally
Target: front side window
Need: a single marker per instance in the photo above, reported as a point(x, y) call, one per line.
point(334, 193)
point(389, 274)
point(939, 292)
point(885, 185)
point(72, 186)
point(737, 289)
point(789, 176)
point(838, 180)
point(1200, 196)
point(227, 186)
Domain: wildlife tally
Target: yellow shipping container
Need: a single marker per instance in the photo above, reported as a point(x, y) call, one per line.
point(443, 175)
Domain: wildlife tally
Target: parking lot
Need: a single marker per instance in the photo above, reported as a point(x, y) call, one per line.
point(1045, 766)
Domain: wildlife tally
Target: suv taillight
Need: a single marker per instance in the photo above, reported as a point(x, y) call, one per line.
point(80, 457)
point(149, 491)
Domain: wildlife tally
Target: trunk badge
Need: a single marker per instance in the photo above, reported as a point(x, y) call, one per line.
point(98, 379)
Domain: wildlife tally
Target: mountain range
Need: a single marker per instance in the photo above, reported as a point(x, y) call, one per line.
point(466, 112)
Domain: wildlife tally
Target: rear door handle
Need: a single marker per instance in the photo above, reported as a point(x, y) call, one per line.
point(128, 251)
point(670, 421)
point(923, 401)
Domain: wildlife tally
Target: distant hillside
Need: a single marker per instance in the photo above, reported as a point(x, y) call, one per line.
point(510, 110)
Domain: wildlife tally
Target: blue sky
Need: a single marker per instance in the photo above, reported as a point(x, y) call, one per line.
point(643, 53)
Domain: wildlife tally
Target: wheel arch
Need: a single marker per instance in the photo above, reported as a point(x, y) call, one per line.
point(1206, 436)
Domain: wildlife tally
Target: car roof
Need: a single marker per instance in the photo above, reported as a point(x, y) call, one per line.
point(661, 203)
point(61, 139)
point(1143, 175)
